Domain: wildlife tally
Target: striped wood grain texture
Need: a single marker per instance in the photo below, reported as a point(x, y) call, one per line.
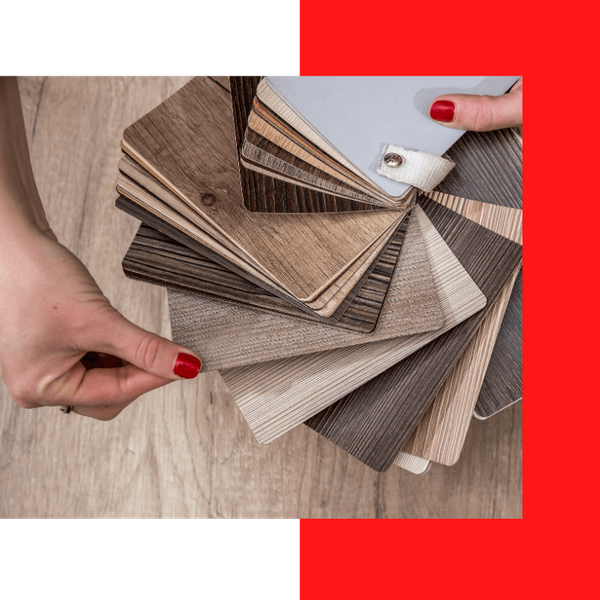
point(264, 193)
point(503, 385)
point(157, 258)
point(374, 422)
point(270, 127)
point(412, 464)
point(280, 108)
point(209, 242)
point(489, 169)
point(303, 160)
point(226, 336)
point(440, 434)
point(187, 143)
point(185, 451)
point(279, 395)
point(260, 152)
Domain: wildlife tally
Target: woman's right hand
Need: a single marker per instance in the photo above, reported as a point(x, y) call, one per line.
point(479, 113)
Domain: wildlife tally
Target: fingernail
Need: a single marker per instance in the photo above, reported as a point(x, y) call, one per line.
point(187, 366)
point(442, 110)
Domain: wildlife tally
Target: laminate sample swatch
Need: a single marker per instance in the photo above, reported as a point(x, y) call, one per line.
point(503, 384)
point(227, 336)
point(440, 434)
point(489, 168)
point(413, 464)
point(303, 160)
point(263, 193)
point(374, 422)
point(157, 258)
point(191, 223)
point(358, 115)
point(277, 396)
point(187, 143)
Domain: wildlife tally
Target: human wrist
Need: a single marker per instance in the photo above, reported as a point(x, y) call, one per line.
point(20, 217)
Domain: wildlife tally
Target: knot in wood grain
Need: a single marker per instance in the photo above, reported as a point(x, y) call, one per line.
point(208, 199)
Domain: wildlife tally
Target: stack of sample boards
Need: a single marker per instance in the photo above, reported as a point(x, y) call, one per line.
point(310, 262)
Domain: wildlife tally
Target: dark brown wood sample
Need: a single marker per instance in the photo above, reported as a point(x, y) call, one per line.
point(267, 194)
point(373, 422)
point(489, 169)
point(159, 259)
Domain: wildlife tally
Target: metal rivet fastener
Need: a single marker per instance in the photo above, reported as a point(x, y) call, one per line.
point(392, 159)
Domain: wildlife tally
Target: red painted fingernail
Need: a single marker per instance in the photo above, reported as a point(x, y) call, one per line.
point(442, 110)
point(187, 366)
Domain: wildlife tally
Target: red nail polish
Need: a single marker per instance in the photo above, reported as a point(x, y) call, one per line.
point(187, 366)
point(442, 110)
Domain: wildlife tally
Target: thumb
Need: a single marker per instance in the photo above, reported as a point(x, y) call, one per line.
point(479, 113)
point(150, 352)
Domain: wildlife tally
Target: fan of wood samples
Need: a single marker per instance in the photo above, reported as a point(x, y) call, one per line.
point(381, 316)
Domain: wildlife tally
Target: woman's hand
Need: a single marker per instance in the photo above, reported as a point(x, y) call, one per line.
point(56, 326)
point(52, 314)
point(480, 113)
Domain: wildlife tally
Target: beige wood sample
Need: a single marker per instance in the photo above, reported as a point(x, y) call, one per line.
point(188, 144)
point(442, 430)
point(226, 335)
point(412, 464)
point(191, 223)
point(277, 396)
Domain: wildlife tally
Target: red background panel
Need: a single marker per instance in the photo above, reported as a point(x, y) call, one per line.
point(551, 552)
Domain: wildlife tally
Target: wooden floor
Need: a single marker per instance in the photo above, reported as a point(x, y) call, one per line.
point(185, 450)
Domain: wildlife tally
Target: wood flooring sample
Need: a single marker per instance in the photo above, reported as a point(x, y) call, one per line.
point(134, 183)
point(375, 421)
point(278, 395)
point(226, 336)
point(441, 432)
point(263, 193)
point(188, 143)
point(159, 259)
point(489, 169)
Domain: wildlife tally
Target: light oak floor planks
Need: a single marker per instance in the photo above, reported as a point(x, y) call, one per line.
point(185, 451)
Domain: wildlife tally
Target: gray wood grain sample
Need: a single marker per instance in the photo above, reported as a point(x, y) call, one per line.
point(441, 432)
point(374, 421)
point(489, 169)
